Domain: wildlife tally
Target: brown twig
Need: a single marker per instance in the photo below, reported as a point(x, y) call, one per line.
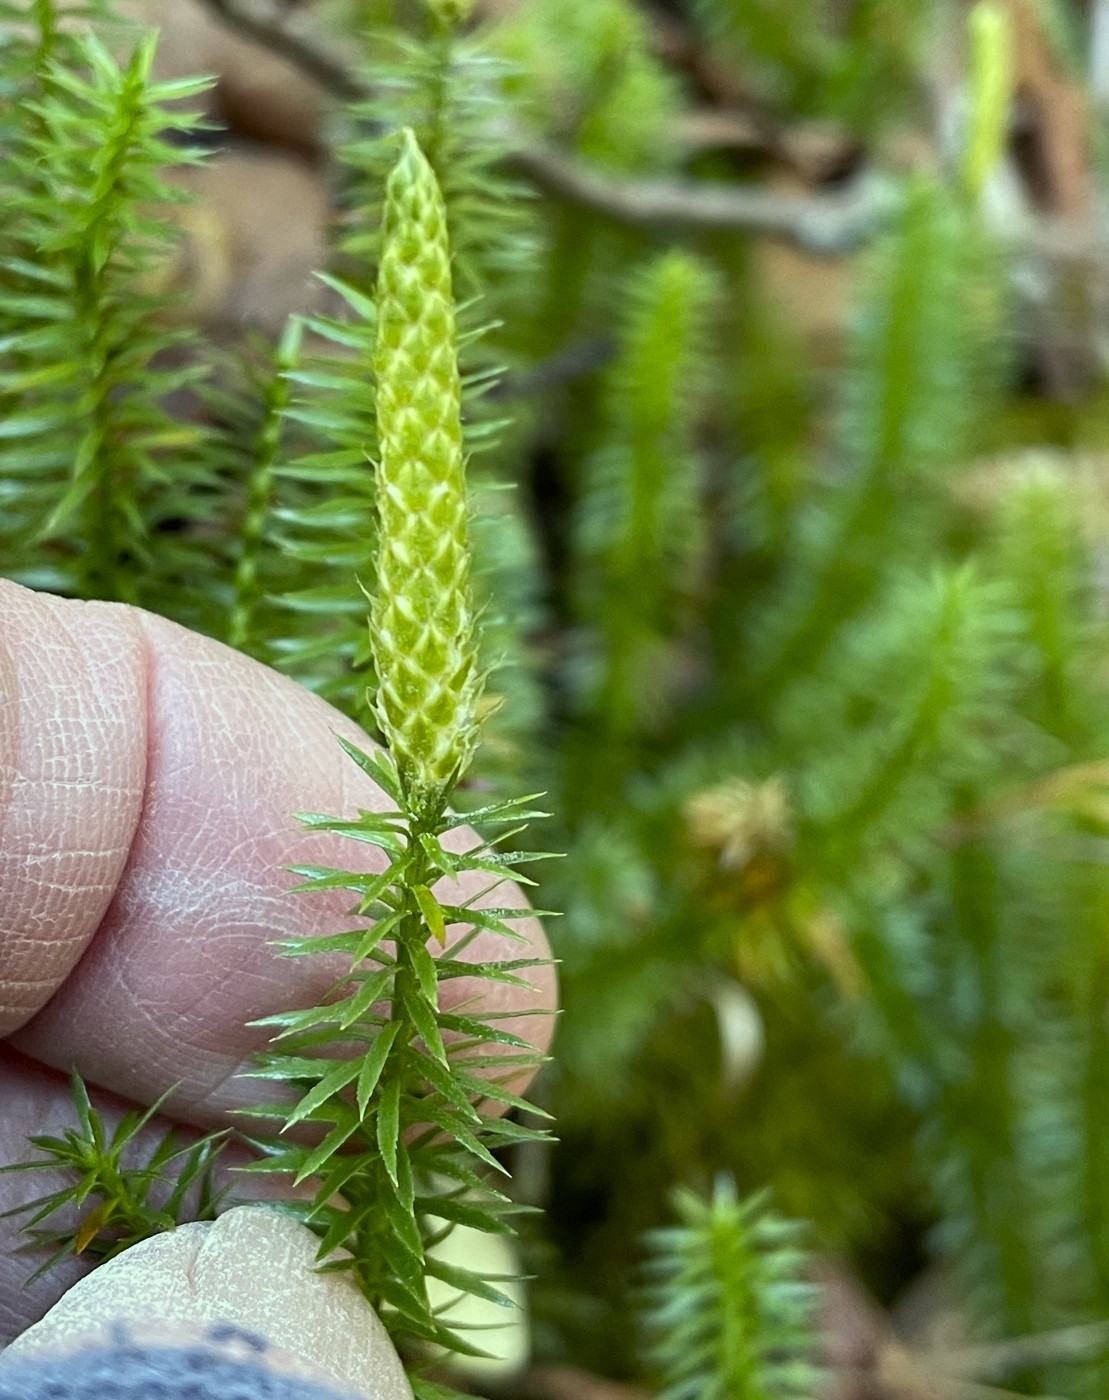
point(270, 27)
point(990, 1360)
point(827, 224)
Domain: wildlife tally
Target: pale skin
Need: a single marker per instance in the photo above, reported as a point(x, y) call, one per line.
point(147, 777)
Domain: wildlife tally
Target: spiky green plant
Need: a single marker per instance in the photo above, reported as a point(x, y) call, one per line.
point(925, 361)
point(449, 87)
point(321, 515)
point(640, 534)
point(265, 443)
point(730, 1314)
point(404, 1084)
point(406, 1128)
point(859, 814)
point(95, 466)
point(117, 1194)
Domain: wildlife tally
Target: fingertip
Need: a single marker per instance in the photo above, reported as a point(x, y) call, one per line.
point(250, 1278)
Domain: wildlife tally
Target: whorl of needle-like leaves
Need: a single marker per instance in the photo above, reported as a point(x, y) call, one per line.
point(111, 1189)
point(422, 619)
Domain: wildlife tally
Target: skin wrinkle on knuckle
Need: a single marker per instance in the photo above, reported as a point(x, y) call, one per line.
point(72, 742)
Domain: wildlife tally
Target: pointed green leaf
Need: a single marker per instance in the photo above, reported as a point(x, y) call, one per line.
point(480, 1031)
point(381, 770)
point(423, 1017)
point(330, 1085)
point(373, 1062)
point(331, 1144)
point(466, 1281)
point(388, 1127)
point(432, 912)
point(372, 990)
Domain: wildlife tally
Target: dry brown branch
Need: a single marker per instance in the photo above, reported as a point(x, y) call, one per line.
point(992, 1360)
point(1057, 161)
point(274, 30)
point(829, 224)
point(826, 224)
point(708, 128)
point(816, 151)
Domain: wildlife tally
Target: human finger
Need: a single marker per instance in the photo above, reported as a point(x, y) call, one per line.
point(177, 930)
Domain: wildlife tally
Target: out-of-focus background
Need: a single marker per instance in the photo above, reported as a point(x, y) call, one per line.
point(794, 472)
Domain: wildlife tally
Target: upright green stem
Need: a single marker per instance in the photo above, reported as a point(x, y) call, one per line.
point(434, 135)
point(102, 571)
point(46, 20)
point(253, 531)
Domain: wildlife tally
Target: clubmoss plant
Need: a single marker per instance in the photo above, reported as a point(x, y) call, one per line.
point(730, 1315)
point(87, 440)
point(856, 811)
point(406, 1128)
point(118, 1195)
point(640, 535)
point(449, 87)
point(266, 447)
point(431, 76)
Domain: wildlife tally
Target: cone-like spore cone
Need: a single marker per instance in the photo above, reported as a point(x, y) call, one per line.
point(422, 623)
